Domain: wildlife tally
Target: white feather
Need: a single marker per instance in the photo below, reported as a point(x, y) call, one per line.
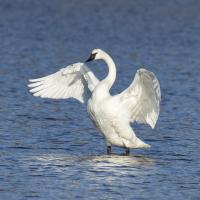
point(73, 81)
point(141, 99)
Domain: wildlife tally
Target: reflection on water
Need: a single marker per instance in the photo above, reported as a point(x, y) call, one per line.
point(115, 167)
point(120, 161)
point(98, 168)
point(96, 163)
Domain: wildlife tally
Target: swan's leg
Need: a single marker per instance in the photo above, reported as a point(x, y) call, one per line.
point(109, 149)
point(127, 152)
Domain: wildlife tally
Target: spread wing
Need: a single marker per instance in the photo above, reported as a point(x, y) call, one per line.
point(74, 81)
point(141, 100)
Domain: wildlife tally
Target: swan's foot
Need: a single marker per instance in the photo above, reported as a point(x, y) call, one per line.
point(127, 152)
point(108, 149)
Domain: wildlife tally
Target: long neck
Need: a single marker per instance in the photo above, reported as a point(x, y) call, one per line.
point(110, 78)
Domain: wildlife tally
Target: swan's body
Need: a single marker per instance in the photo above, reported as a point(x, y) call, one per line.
point(112, 115)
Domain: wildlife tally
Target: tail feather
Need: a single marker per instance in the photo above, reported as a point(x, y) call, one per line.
point(140, 144)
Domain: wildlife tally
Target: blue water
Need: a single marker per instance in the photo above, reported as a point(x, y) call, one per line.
point(49, 149)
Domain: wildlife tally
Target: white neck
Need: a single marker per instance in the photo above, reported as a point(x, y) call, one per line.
point(110, 78)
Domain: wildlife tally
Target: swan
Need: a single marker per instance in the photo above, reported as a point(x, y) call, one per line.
point(112, 115)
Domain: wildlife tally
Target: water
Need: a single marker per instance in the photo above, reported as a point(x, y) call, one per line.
point(49, 149)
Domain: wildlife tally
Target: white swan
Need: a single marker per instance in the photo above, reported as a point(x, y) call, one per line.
point(112, 115)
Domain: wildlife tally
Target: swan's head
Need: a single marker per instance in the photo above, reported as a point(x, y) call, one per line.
point(95, 55)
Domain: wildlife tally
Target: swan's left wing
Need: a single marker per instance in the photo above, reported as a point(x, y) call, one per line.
point(74, 81)
point(141, 100)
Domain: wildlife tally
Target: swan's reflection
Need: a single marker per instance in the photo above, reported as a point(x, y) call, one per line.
point(93, 168)
point(121, 161)
point(116, 166)
point(96, 161)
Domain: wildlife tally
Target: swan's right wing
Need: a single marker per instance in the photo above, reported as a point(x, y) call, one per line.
point(141, 100)
point(73, 81)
